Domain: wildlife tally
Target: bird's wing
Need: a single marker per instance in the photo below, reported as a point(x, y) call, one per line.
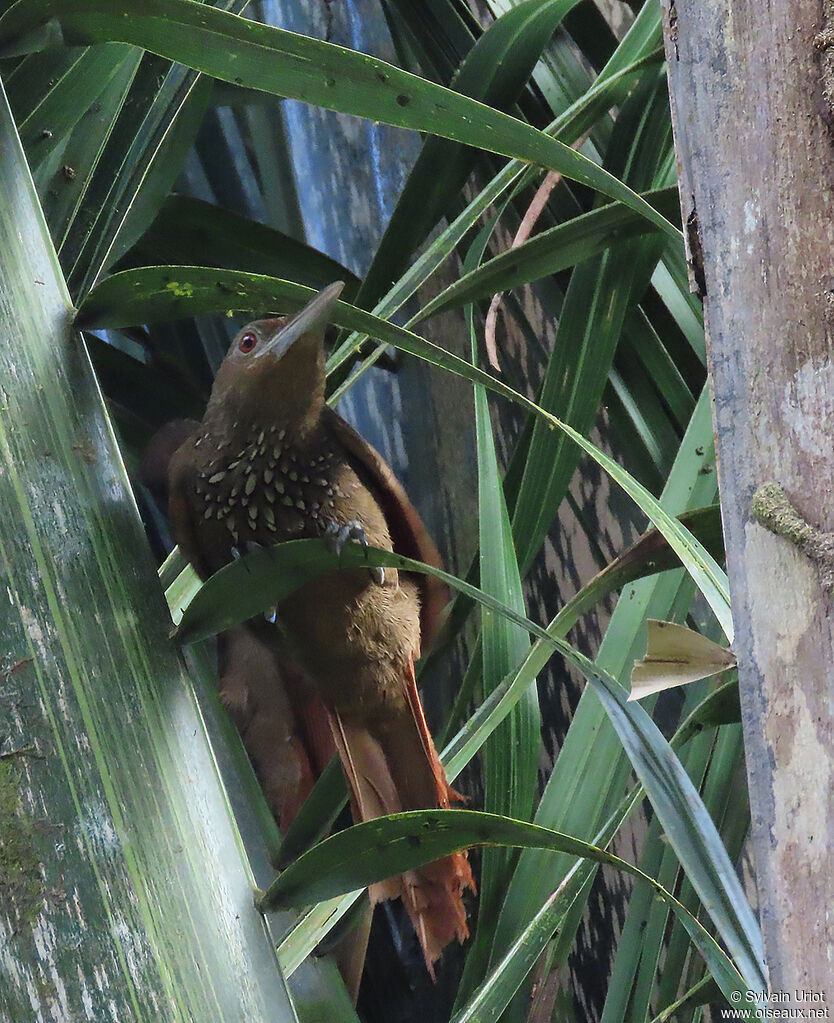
point(182, 485)
point(156, 460)
point(409, 535)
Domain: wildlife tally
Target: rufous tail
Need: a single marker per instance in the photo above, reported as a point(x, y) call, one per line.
point(391, 765)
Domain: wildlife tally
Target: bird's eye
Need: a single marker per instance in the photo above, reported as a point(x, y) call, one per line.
point(247, 343)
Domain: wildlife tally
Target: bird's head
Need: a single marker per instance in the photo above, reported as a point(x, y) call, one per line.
point(274, 368)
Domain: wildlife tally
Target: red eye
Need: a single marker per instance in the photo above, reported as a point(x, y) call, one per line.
point(247, 343)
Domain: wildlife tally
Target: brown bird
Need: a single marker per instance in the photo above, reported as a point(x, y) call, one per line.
point(271, 462)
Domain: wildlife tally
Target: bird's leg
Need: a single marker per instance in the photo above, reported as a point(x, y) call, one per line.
point(336, 535)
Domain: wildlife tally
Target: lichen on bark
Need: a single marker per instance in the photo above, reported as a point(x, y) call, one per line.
point(772, 508)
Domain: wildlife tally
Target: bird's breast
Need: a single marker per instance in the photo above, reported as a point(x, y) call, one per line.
point(267, 490)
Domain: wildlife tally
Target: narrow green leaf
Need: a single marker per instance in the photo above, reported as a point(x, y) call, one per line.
point(725, 795)
point(503, 982)
point(642, 344)
point(155, 129)
point(312, 927)
point(494, 71)
point(236, 50)
point(701, 993)
point(510, 756)
point(64, 195)
point(641, 940)
point(645, 415)
point(551, 251)
point(188, 231)
point(171, 568)
point(33, 79)
point(317, 814)
point(141, 155)
point(671, 281)
point(590, 322)
point(689, 829)
point(267, 576)
point(44, 131)
point(387, 846)
point(592, 770)
point(720, 707)
point(437, 36)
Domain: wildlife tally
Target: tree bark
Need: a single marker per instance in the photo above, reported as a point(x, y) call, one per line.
point(752, 133)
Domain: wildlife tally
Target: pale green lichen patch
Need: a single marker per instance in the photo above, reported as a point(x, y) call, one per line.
point(22, 888)
point(772, 508)
point(179, 289)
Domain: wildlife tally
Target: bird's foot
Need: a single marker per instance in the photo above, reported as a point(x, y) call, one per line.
point(337, 534)
point(239, 549)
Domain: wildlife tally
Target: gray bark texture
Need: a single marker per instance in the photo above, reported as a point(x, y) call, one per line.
point(753, 137)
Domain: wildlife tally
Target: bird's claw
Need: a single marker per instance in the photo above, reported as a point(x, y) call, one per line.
point(238, 550)
point(337, 534)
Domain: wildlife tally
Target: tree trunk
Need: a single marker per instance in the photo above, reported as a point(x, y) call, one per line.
point(752, 132)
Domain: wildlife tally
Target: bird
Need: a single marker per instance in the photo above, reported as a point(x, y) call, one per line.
point(333, 666)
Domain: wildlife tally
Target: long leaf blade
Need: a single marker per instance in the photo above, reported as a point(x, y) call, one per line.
point(273, 60)
point(390, 845)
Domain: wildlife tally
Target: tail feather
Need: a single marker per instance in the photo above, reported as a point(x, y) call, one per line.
point(393, 766)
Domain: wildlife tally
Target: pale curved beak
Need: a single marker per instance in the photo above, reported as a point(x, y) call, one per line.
point(312, 319)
